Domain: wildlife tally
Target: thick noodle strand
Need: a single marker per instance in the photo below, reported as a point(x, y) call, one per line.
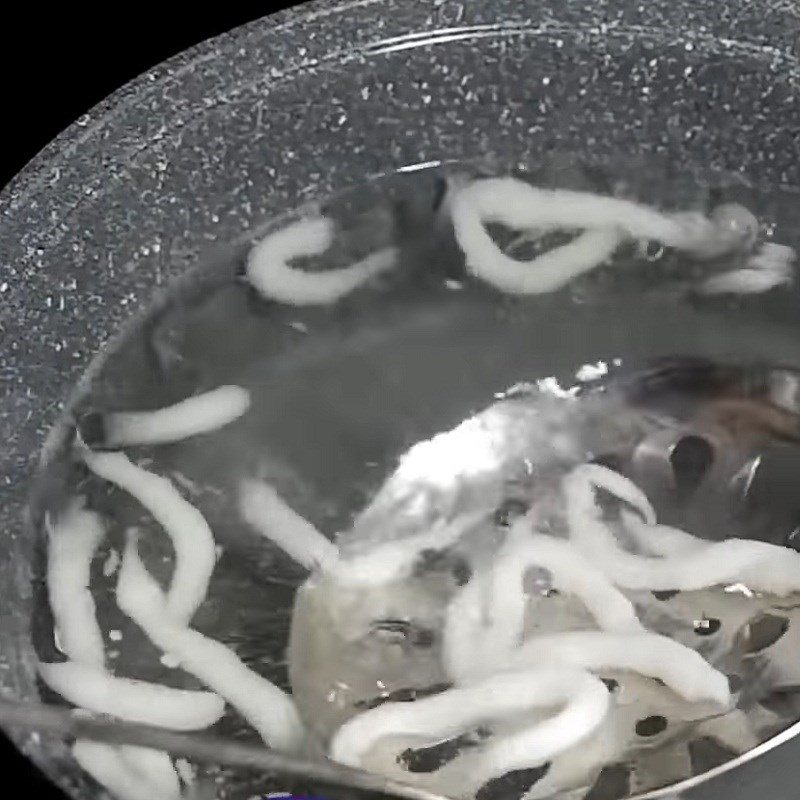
point(73, 540)
point(520, 205)
point(484, 620)
point(759, 565)
point(192, 539)
point(202, 413)
point(682, 669)
point(268, 709)
point(129, 773)
point(269, 272)
point(608, 220)
point(571, 573)
point(463, 654)
point(660, 540)
point(468, 653)
point(395, 560)
point(771, 266)
point(600, 477)
point(548, 272)
point(263, 509)
point(135, 701)
point(584, 700)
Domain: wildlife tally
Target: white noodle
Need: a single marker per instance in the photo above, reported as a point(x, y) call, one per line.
point(196, 415)
point(268, 709)
point(601, 477)
point(545, 273)
point(463, 655)
point(155, 767)
point(484, 620)
point(771, 266)
point(571, 573)
point(395, 560)
point(111, 564)
point(734, 731)
point(773, 256)
point(72, 542)
point(191, 537)
point(186, 771)
point(269, 272)
point(135, 701)
point(468, 652)
point(578, 768)
point(584, 697)
point(660, 540)
point(129, 773)
point(608, 220)
point(759, 565)
point(263, 509)
point(520, 206)
point(745, 281)
point(682, 669)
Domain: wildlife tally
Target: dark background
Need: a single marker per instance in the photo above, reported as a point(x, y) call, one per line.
point(57, 61)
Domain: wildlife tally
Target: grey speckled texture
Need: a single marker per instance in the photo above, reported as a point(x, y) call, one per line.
point(202, 148)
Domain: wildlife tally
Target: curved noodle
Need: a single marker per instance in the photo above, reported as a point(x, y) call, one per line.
point(682, 669)
point(660, 540)
point(128, 772)
point(195, 415)
point(759, 565)
point(608, 220)
point(195, 555)
point(463, 655)
point(484, 620)
point(771, 266)
point(132, 700)
point(520, 205)
point(545, 273)
point(73, 540)
point(395, 560)
point(155, 767)
point(264, 510)
point(269, 272)
point(622, 488)
point(584, 698)
point(746, 280)
point(571, 573)
point(468, 653)
point(268, 709)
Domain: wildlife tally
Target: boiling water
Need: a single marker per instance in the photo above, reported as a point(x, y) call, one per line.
point(340, 391)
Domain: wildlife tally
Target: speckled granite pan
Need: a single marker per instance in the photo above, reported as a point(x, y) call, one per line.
point(183, 161)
